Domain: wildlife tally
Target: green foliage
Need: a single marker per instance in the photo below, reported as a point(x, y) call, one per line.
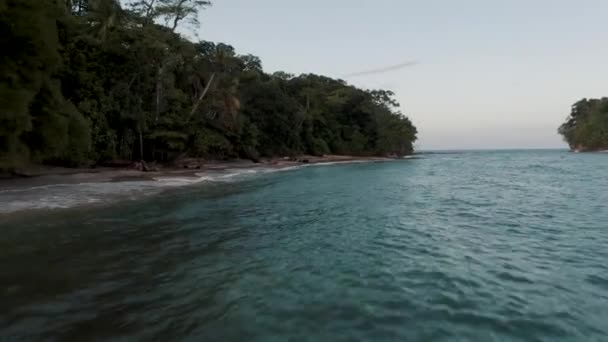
point(319, 147)
point(35, 119)
point(586, 129)
point(59, 132)
point(89, 82)
point(174, 11)
point(211, 144)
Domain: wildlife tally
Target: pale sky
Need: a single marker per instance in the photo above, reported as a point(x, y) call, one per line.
point(490, 74)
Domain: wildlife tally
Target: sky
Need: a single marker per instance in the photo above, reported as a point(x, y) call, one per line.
point(488, 74)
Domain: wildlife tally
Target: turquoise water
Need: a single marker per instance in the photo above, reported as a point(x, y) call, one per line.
point(461, 246)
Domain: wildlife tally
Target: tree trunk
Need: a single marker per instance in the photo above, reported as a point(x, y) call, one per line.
point(307, 103)
point(149, 12)
point(141, 145)
point(178, 17)
point(200, 98)
point(158, 91)
point(175, 21)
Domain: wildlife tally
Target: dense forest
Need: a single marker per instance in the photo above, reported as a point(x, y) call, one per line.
point(87, 82)
point(586, 129)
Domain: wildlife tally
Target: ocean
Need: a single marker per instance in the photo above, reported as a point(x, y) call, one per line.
point(447, 246)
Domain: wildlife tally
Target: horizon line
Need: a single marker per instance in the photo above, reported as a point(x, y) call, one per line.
point(493, 149)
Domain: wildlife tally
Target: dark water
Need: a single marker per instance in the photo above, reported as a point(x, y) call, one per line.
point(483, 246)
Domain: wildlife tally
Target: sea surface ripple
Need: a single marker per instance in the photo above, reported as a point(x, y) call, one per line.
point(458, 246)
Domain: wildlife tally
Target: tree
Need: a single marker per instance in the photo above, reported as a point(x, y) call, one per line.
point(32, 108)
point(86, 82)
point(103, 15)
point(251, 63)
point(79, 7)
point(145, 9)
point(175, 11)
point(586, 128)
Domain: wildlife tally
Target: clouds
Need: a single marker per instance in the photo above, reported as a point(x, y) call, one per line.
point(382, 69)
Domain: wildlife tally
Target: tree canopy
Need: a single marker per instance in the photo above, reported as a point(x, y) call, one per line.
point(586, 128)
point(85, 82)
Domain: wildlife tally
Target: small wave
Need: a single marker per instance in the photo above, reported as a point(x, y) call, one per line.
point(231, 174)
point(513, 277)
point(546, 168)
point(63, 196)
point(181, 181)
point(598, 281)
point(47, 203)
point(288, 168)
point(68, 195)
point(40, 187)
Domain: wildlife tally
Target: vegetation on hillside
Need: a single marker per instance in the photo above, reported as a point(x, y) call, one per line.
point(85, 82)
point(586, 129)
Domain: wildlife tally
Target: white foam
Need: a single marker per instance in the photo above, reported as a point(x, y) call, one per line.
point(40, 187)
point(283, 169)
point(235, 173)
point(59, 196)
point(71, 195)
point(180, 181)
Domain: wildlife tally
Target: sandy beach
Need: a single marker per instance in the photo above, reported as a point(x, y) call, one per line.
point(43, 176)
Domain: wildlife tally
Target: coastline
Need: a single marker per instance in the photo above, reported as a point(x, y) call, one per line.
point(44, 176)
point(62, 189)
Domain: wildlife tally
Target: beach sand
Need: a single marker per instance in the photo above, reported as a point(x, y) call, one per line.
point(42, 176)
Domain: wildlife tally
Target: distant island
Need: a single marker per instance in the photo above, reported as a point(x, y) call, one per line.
point(586, 128)
point(88, 83)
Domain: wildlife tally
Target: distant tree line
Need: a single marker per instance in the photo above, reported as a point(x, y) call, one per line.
point(586, 128)
point(86, 82)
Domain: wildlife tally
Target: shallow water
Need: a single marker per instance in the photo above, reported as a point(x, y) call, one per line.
point(461, 246)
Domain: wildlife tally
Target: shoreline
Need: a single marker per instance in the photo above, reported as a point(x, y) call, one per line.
point(45, 176)
point(86, 188)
